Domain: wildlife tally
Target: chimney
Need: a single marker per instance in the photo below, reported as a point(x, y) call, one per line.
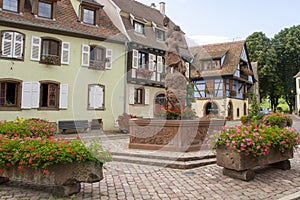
point(153, 5)
point(162, 7)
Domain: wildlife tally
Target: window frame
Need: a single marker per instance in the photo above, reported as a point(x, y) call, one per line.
point(15, 11)
point(18, 92)
point(56, 98)
point(92, 7)
point(139, 96)
point(138, 25)
point(53, 59)
point(51, 9)
point(157, 31)
point(94, 63)
point(89, 107)
point(142, 64)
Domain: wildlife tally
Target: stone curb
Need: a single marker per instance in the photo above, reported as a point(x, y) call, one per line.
point(294, 196)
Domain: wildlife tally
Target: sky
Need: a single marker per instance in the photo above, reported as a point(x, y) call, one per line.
point(213, 21)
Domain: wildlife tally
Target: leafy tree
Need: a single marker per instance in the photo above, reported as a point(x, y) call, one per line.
point(287, 47)
point(255, 110)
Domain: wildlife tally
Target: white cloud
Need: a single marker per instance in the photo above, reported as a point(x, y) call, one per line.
point(194, 40)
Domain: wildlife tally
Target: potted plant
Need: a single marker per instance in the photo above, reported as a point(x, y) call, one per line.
point(277, 119)
point(241, 148)
point(37, 157)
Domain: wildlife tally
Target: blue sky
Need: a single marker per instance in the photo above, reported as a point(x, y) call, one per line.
point(210, 21)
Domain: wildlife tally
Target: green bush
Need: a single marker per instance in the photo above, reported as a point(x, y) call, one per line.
point(277, 119)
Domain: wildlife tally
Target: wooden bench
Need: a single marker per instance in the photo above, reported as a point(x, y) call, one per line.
point(78, 125)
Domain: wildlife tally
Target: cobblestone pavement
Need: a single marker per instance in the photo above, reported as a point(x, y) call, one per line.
point(132, 181)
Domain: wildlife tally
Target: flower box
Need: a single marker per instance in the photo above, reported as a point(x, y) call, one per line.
point(238, 165)
point(65, 177)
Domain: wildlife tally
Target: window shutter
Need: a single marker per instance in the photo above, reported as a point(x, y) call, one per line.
point(35, 94)
point(135, 59)
point(26, 95)
point(99, 97)
point(187, 73)
point(63, 96)
point(108, 64)
point(65, 55)
point(7, 44)
point(18, 45)
point(151, 62)
point(159, 64)
point(35, 48)
point(131, 95)
point(147, 96)
point(85, 55)
point(92, 97)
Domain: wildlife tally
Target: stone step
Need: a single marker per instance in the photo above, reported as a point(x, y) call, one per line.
point(164, 162)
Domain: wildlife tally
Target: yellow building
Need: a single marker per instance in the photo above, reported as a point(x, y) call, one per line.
point(60, 60)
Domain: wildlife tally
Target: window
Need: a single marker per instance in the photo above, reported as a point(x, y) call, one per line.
point(96, 57)
point(12, 45)
point(45, 9)
point(50, 52)
point(142, 59)
point(9, 94)
point(49, 95)
point(138, 27)
point(88, 16)
point(96, 97)
point(138, 96)
point(160, 35)
point(11, 5)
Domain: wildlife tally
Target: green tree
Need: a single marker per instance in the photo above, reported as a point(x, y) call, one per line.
point(287, 47)
point(255, 108)
point(260, 50)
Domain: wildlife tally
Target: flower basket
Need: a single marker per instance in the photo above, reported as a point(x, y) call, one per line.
point(50, 60)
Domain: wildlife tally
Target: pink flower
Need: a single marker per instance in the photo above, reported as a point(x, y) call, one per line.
point(258, 147)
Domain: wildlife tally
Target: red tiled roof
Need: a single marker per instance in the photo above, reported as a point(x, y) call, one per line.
point(66, 21)
point(233, 52)
point(145, 13)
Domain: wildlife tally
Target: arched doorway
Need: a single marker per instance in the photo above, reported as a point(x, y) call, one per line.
point(211, 108)
point(230, 111)
point(159, 101)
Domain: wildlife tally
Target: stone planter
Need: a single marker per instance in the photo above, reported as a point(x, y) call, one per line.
point(171, 135)
point(65, 178)
point(241, 166)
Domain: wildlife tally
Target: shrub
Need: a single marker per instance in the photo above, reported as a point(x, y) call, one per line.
point(27, 128)
point(175, 113)
point(44, 152)
point(277, 119)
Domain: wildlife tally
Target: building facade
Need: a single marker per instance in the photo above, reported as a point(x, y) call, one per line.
point(223, 78)
point(59, 60)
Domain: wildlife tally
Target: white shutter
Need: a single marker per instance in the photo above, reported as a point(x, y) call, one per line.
point(147, 96)
point(65, 55)
point(108, 64)
point(63, 96)
point(35, 94)
point(7, 44)
point(92, 97)
point(18, 45)
point(99, 97)
point(135, 59)
point(35, 48)
point(131, 95)
point(151, 62)
point(85, 60)
point(187, 73)
point(26, 95)
point(159, 64)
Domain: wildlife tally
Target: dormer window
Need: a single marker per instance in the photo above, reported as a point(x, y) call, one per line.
point(90, 11)
point(160, 35)
point(138, 27)
point(11, 5)
point(45, 9)
point(89, 16)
